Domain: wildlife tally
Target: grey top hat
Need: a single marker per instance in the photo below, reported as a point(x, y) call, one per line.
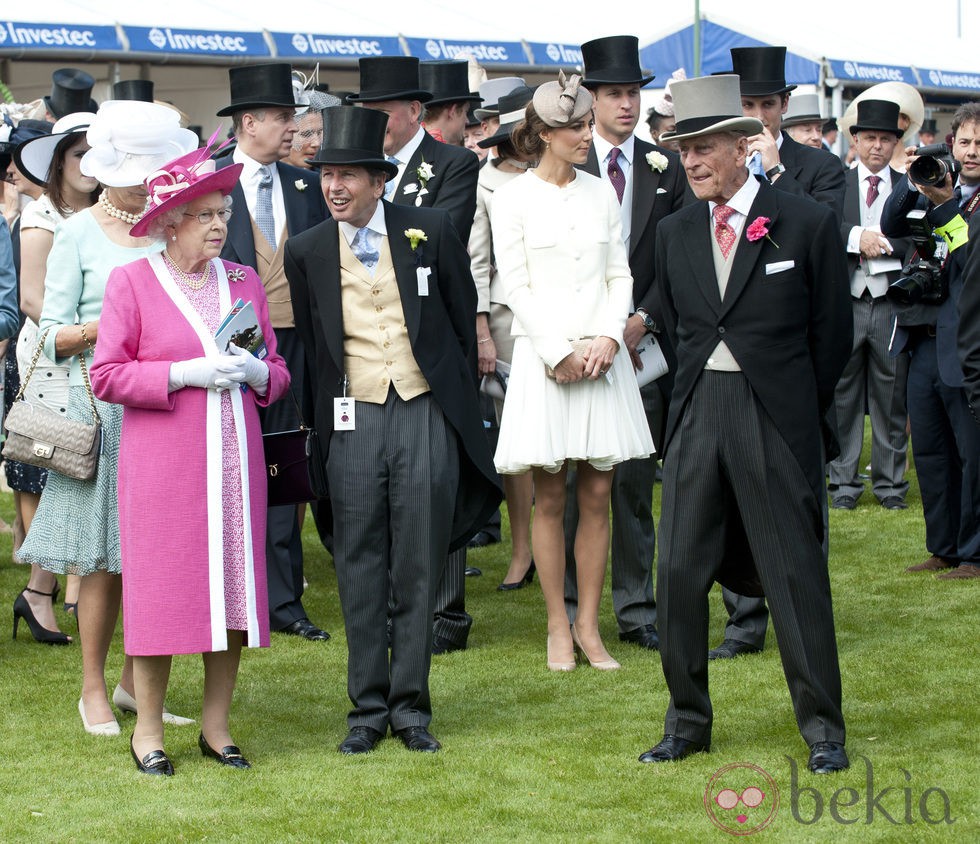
point(614, 60)
point(447, 81)
point(492, 90)
point(133, 89)
point(512, 110)
point(71, 91)
point(706, 105)
point(389, 78)
point(354, 136)
point(267, 85)
point(803, 108)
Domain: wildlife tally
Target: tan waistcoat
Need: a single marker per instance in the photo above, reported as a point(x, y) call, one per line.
point(268, 264)
point(721, 358)
point(377, 351)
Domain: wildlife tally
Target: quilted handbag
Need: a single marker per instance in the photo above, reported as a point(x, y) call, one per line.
point(294, 465)
point(42, 437)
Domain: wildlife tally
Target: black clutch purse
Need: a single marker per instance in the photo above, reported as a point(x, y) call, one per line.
point(294, 466)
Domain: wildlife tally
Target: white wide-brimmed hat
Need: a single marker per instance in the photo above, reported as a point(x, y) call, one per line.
point(706, 105)
point(130, 139)
point(33, 157)
point(909, 103)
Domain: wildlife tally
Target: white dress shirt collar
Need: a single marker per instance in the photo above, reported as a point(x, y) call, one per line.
point(376, 224)
point(741, 202)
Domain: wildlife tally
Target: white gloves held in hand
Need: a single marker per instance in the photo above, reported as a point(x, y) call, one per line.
point(220, 372)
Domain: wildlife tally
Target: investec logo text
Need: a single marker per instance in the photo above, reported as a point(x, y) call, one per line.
point(561, 53)
point(322, 46)
point(864, 71)
point(954, 80)
point(198, 42)
point(487, 52)
point(46, 36)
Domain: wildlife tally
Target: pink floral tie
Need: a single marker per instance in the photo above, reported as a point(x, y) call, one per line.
point(724, 233)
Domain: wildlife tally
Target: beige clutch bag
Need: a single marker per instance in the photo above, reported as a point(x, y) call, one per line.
point(580, 346)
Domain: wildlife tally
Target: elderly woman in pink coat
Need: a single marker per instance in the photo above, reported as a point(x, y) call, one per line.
point(192, 488)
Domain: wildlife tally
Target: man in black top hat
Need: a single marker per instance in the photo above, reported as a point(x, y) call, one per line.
point(788, 166)
point(273, 201)
point(927, 132)
point(872, 375)
point(446, 113)
point(384, 305)
point(436, 175)
point(649, 183)
point(71, 91)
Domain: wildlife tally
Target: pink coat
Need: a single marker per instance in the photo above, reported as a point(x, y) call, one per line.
point(173, 599)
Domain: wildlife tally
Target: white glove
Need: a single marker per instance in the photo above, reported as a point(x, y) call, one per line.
point(256, 372)
point(209, 373)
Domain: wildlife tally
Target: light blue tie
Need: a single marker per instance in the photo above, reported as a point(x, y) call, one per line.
point(755, 165)
point(264, 218)
point(390, 184)
point(361, 247)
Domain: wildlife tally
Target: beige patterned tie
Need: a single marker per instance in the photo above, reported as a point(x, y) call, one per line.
point(724, 233)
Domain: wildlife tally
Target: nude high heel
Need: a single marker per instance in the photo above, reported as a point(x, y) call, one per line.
point(109, 728)
point(608, 664)
point(554, 665)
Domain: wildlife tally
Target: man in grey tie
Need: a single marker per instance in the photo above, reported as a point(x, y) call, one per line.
point(280, 200)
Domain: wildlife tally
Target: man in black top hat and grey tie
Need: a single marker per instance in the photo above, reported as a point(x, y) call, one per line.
point(273, 201)
point(649, 183)
point(384, 305)
point(793, 168)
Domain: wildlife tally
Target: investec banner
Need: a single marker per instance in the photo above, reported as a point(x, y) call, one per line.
point(560, 55)
point(954, 80)
point(872, 72)
point(334, 46)
point(163, 39)
point(485, 52)
point(46, 36)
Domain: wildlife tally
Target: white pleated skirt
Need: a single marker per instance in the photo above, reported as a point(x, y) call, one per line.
point(545, 423)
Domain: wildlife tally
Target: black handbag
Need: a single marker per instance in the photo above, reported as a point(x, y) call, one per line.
point(294, 465)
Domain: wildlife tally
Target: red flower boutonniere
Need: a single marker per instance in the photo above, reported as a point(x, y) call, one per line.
point(758, 229)
point(236, 275)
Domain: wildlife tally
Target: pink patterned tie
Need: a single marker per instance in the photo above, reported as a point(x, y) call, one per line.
point(724, 233)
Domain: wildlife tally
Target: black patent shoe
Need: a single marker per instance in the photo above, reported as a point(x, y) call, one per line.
point(230, 755)
point(518, 584)
point(155, 762)
point(22, 610)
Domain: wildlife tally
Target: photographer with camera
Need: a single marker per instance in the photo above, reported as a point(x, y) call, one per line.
point(934, 206)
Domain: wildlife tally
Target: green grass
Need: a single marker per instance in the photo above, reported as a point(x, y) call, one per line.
point(528, 755)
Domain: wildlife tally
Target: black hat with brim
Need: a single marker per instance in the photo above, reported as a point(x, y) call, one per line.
point(354, 136)
point(447, 81)
point(512, 110)
point(24, 131)
point(877, 116)
point(254, 86)
point(71, 91)
point(761, 70)
point(614, 60)
point(386, 78)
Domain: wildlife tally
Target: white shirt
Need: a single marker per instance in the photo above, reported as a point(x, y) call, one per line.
point(249, 180)
point(377, 229)
point(603, 150)
point(404, 155)
point(741, 202)
point(870, 275)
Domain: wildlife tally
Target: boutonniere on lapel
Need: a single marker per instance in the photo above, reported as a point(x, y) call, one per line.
point(758, 229)
point(300, 185)
point(657, 160)
point(416, 237)
point(424, 172)
point(236, 275)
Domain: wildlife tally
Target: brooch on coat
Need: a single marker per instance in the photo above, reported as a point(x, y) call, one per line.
point(236, 275)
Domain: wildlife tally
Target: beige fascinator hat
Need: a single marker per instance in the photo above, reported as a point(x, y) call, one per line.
point(563, 102)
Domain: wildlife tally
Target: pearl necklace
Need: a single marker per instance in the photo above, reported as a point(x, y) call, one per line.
point(118, 213)
point(195, 281)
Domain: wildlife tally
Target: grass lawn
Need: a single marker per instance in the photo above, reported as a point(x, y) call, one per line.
point(528, 755)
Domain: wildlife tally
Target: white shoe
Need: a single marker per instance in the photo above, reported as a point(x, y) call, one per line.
point(125, 702)
point(109, 728)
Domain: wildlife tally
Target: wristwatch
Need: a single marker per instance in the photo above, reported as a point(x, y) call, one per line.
point(648, 322)
point(775, 171)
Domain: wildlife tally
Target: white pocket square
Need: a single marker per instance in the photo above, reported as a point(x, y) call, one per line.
point(661, 190)
point(410, 188)
point(779, 267)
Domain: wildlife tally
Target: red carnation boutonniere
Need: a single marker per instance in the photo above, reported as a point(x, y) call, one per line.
point(236, 275)
point(758, 229)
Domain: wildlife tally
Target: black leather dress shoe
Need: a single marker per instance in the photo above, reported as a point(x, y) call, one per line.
point(731, 648)
point(645, 637)
point(672, 749)
point(360, 740)
point(230, 755)
point(828, 757)
point(472, 571)
point(418, 738)
point(481, 539)
point(845, 502)
point(894, 502)
point(441, 645)
point(155, 762)
point(306, 629)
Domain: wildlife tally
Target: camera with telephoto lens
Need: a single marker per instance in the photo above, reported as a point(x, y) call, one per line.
point(933, 164)
point(922, 278)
